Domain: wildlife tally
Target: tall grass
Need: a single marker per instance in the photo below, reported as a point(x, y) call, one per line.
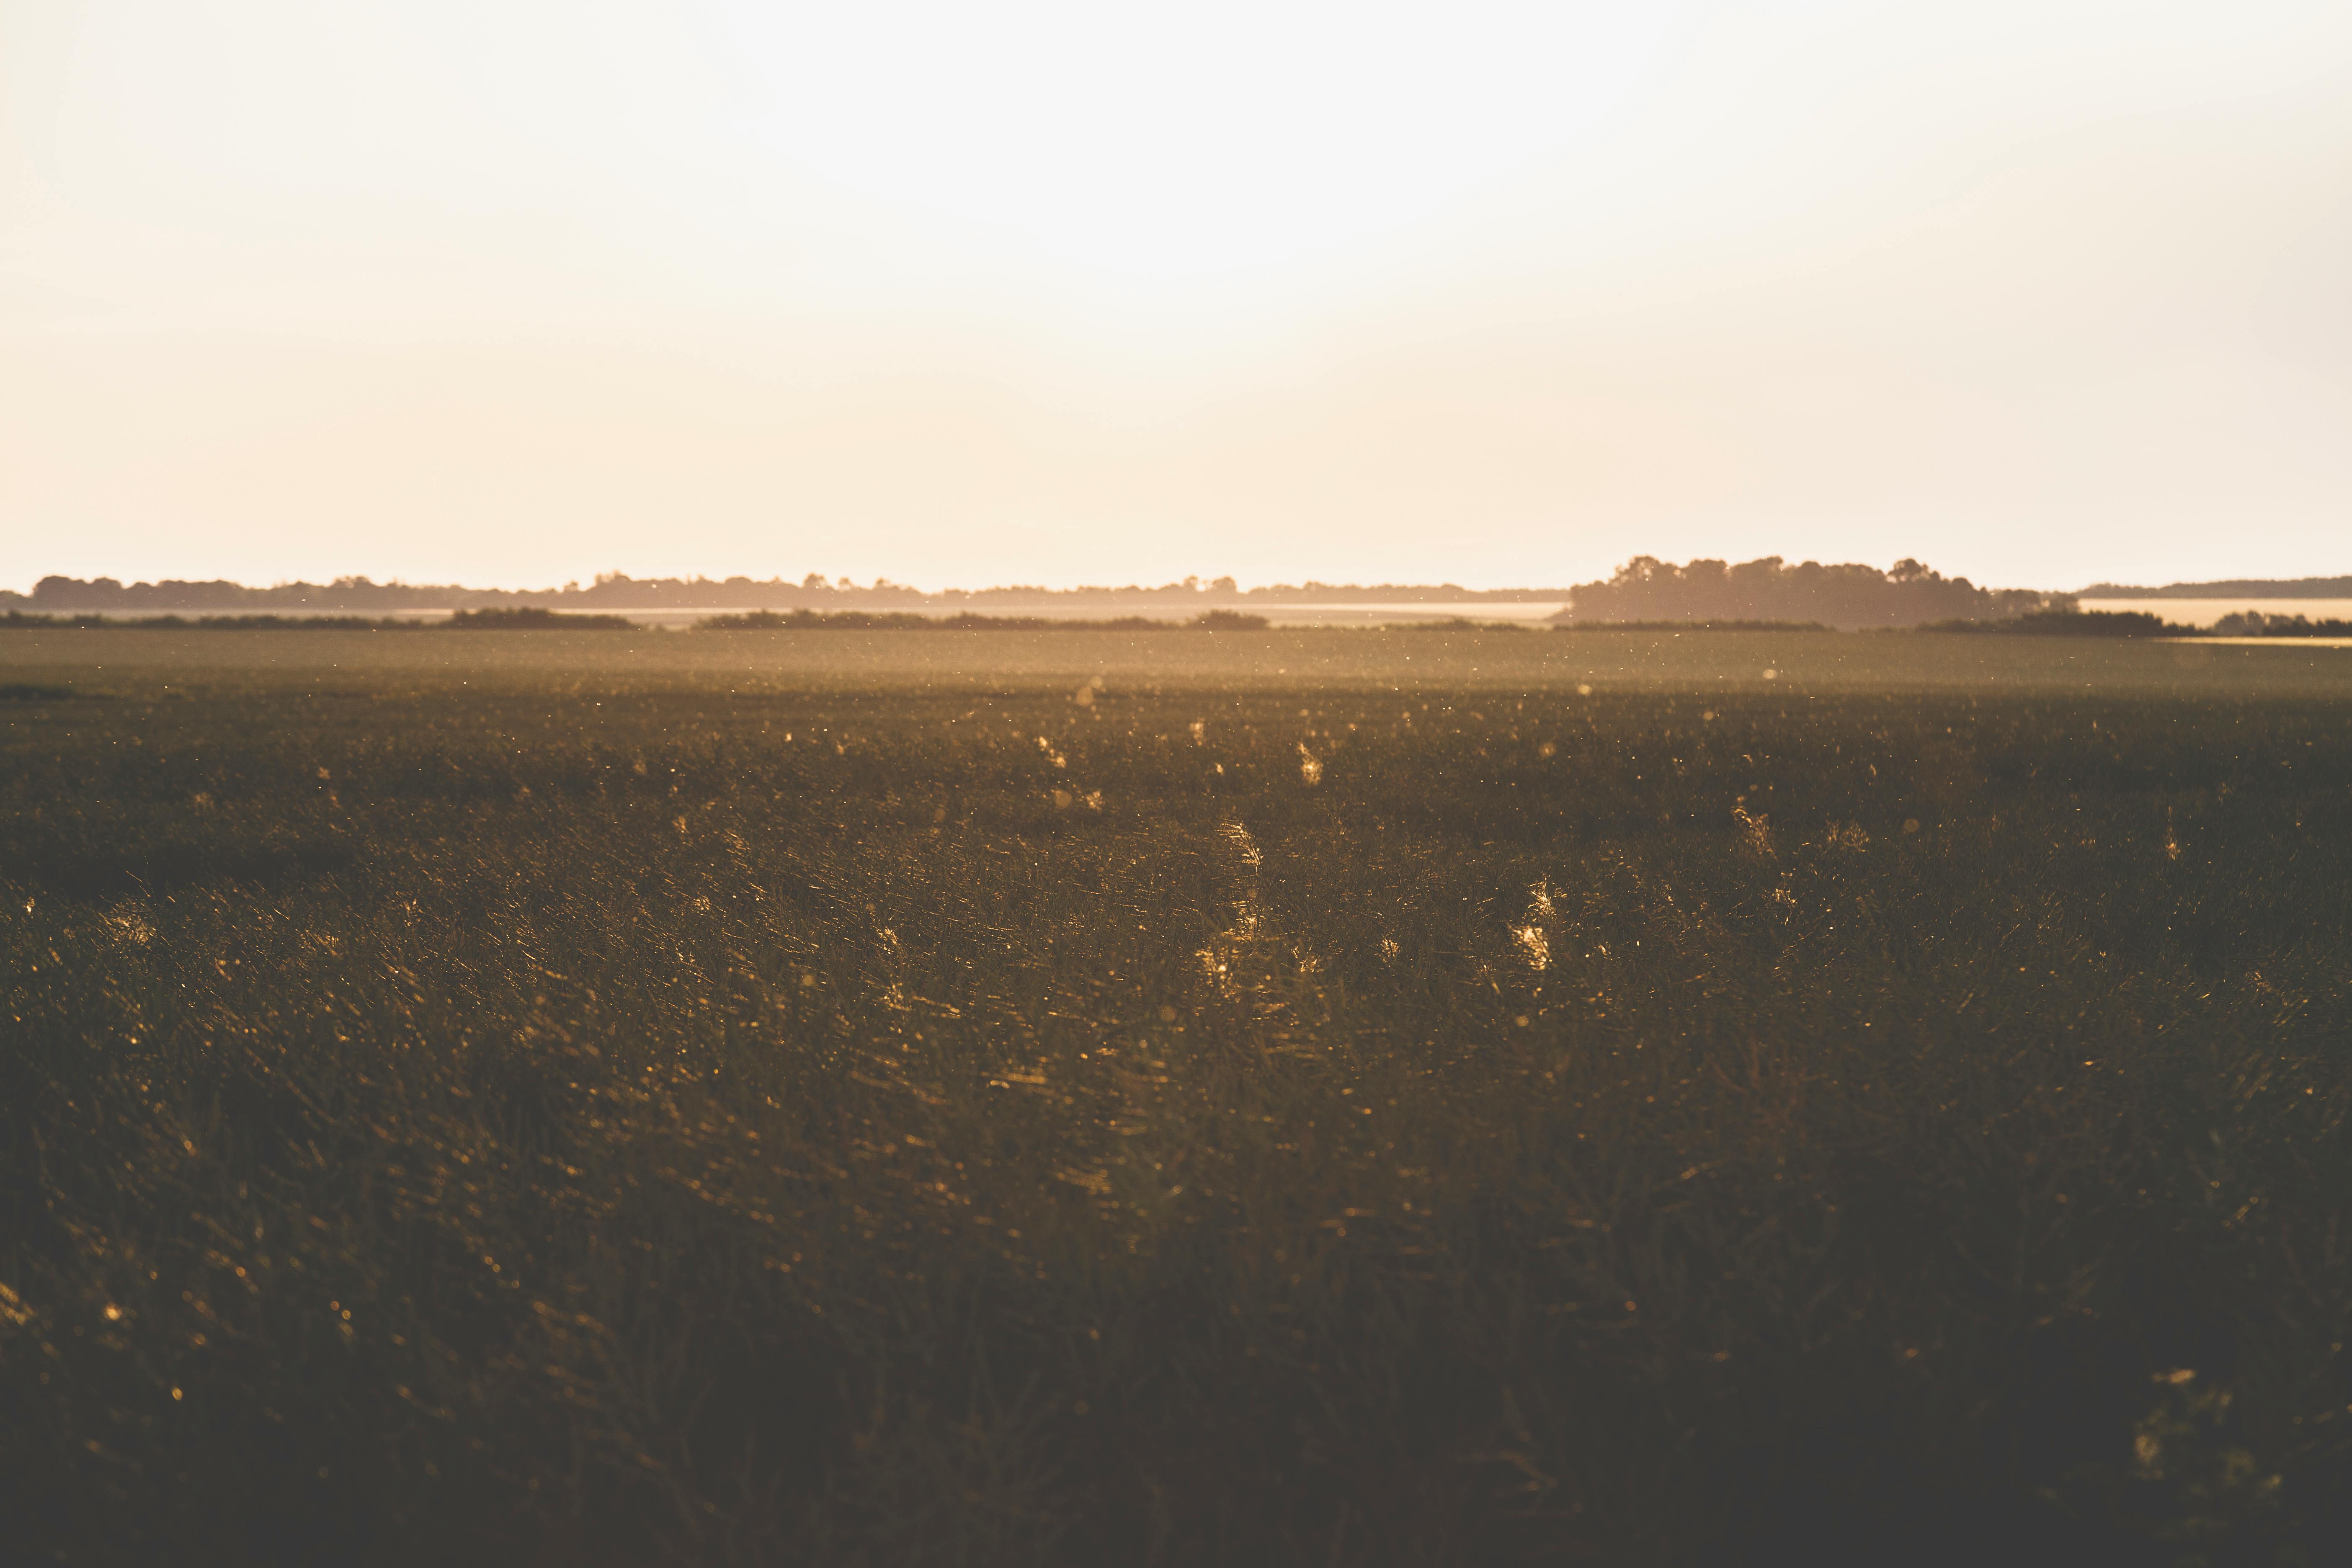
point(667, 1124)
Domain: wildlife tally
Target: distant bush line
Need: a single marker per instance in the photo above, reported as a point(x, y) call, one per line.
point(2072, 624)
point(1673, 626)
point(1464, 623)
point(1769, 592)
point(493, 620)
point(532, 618)
point(2143, 624)
point(618, 591)
point(909, 621)
point(2230, 588)
point(2254, 623)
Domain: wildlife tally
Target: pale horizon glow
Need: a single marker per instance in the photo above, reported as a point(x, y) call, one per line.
point(1060, 293)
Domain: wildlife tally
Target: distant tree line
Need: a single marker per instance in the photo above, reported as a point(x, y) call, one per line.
point(526, 618)
point(2254, 623)
point(2070, 624)
point(534, 618)
point(913, 621)
point(1848, 596)
point(1644, 589)
point(618, 591)
point(2231, 588)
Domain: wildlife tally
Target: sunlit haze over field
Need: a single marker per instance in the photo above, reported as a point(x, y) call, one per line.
point(903, 923)
point(2042, 293)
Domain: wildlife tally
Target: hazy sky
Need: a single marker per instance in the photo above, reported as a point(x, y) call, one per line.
point(513, 291)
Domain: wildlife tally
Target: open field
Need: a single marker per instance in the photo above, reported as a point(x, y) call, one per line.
point(1326, 1096)
point(1360, 660)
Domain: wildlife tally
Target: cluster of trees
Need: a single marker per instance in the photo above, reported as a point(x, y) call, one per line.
point(1847, 596)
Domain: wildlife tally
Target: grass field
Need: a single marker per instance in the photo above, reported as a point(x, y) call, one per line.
point(1329, 1097)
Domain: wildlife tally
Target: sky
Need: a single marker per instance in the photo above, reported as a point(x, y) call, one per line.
point(515, 292)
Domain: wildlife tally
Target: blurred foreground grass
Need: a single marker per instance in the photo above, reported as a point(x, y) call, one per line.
point(549, 1111)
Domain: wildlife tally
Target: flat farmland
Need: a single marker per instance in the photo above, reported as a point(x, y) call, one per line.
point(1334, 1096)
point(1444, 661)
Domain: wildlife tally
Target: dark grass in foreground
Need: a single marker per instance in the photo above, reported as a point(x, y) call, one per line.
point(501, 1126)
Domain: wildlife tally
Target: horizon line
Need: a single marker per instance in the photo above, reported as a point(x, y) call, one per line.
point(1193, 587)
